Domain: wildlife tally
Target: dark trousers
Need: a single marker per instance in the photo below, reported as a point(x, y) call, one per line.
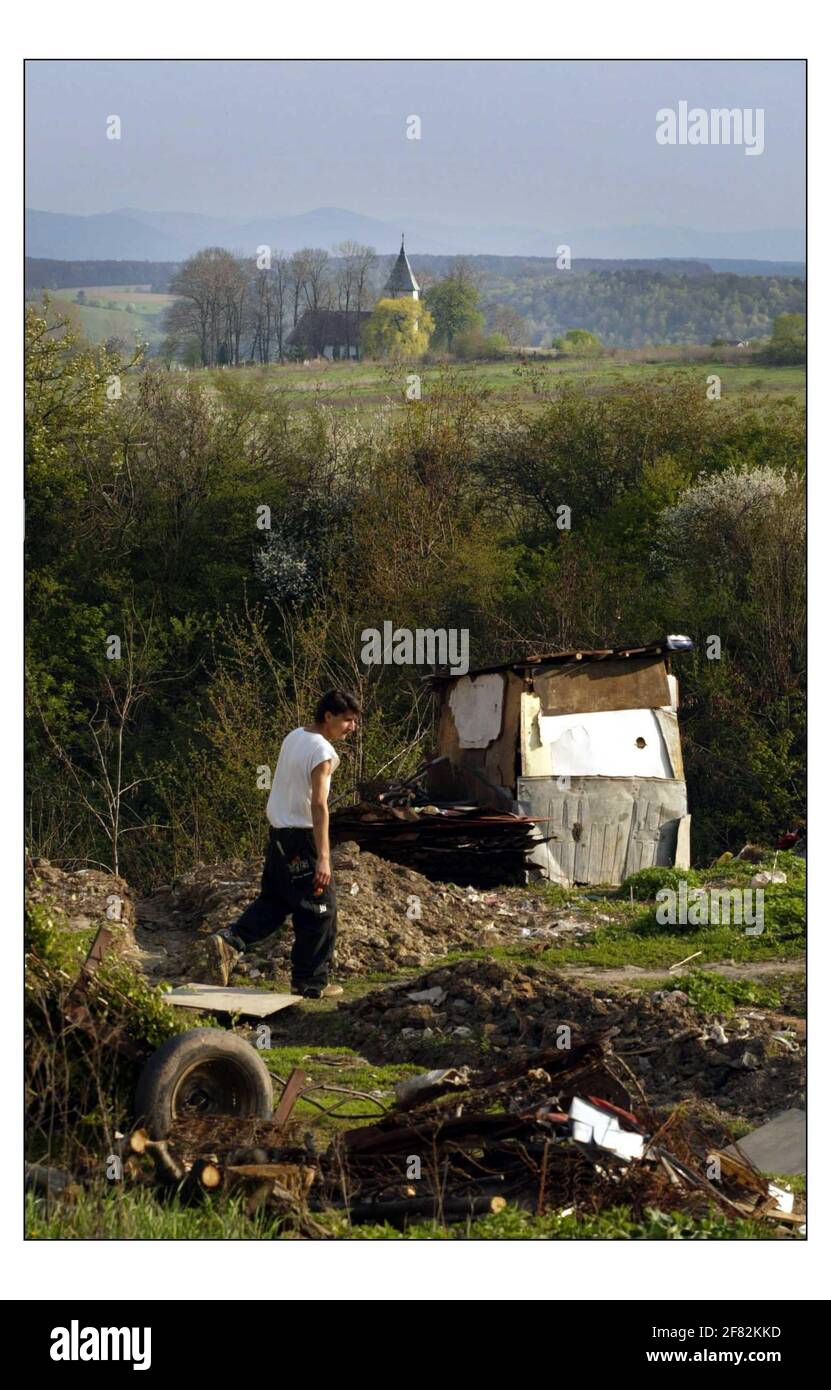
point(286, 888)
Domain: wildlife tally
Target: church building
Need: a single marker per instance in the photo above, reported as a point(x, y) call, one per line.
point(336, 333)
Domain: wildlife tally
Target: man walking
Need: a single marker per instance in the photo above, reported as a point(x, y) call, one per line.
point(297, 876)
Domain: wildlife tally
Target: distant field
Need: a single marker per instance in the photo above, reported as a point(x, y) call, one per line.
point(367, 385)
point(109, 317)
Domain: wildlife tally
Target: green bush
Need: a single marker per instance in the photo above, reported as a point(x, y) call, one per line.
point(711, 993)
point(54, 954)
point(646, 883)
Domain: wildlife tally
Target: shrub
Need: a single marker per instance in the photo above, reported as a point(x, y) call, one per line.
point(645, 884)
point(78, 1085)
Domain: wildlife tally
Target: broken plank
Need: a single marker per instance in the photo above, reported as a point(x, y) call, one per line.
point(254, 1003)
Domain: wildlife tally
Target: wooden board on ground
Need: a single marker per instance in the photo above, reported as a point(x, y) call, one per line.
point(256, 1003)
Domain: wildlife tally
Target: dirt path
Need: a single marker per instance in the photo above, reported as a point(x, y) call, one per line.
point(630, 974)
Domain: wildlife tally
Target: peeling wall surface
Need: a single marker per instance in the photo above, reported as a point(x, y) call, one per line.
point(476, 705)
point(618, 743)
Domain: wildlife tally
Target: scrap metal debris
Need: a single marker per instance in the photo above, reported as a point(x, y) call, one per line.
point(450, 842)
point(554, 1133)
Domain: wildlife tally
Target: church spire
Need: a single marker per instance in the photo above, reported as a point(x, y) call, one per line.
point(402, 284)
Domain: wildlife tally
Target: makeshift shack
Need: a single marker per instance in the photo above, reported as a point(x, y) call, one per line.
point(585, 741)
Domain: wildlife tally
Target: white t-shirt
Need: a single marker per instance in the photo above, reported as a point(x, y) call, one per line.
point(290, 800)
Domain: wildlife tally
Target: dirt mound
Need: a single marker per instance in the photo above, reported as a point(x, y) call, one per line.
point(87, 898)
point(390, 918)
point(475, 1009)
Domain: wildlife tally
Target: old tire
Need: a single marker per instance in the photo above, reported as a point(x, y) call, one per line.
point(205, 1071)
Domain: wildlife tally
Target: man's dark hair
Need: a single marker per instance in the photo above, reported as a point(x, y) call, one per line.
point(336, 702)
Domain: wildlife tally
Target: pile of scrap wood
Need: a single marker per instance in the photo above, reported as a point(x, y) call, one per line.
point(553, 1133)
point(452, 843)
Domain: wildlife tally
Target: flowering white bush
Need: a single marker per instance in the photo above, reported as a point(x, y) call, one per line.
point(723, 509)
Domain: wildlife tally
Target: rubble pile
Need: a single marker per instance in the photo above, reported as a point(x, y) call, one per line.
point(748, 1065)
point(86, 899)
point(389, 918)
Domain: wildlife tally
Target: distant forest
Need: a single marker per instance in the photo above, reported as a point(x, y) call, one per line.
point(625, 303)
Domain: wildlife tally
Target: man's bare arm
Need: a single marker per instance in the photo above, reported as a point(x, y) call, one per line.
point(321, 777)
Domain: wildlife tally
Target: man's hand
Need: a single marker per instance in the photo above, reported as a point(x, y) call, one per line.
point(323, 872)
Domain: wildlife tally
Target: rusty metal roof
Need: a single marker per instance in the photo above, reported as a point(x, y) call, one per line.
point(525, 664)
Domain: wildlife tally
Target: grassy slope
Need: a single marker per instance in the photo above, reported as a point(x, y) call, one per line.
point(100, 324)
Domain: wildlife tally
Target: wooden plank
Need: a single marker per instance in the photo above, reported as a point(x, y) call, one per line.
point(588, 687)
point(254, 1003)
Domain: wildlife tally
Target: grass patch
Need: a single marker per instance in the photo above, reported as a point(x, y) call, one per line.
point(710, 993)
point(644, 885)
point(118, 1213)
point(636, 937)
point(616, 1223)
point(341, 1067)
point(645, 944)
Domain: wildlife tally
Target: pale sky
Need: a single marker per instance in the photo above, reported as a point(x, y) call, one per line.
point(522, 143)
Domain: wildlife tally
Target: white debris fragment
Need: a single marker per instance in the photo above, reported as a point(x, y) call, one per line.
point(592, 1125)
point(428, 996)
point(782, 1196)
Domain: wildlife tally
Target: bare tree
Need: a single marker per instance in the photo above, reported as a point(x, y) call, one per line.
point(210, 289)
point(505, 320)
point(104, 790)
point(354, 267)
point(313, 289)
point(268, 297)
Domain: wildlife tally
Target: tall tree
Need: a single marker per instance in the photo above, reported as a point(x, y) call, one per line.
point(454, 304)
point(354, 266)
point(210, 290)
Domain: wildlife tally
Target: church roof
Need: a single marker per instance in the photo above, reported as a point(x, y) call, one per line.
point(319, 328)
point(402, 280)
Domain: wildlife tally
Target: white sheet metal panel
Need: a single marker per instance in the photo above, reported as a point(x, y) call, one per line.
point(610, 743)
point(476, 706)
point(601, 829)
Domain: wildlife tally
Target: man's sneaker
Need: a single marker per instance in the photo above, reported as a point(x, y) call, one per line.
point(316, 991)
point(233, 940)
point(226, 950)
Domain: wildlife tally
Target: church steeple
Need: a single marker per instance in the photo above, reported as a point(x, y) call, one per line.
point(402, 284)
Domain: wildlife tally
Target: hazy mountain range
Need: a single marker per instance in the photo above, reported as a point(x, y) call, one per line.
point(132, 234)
